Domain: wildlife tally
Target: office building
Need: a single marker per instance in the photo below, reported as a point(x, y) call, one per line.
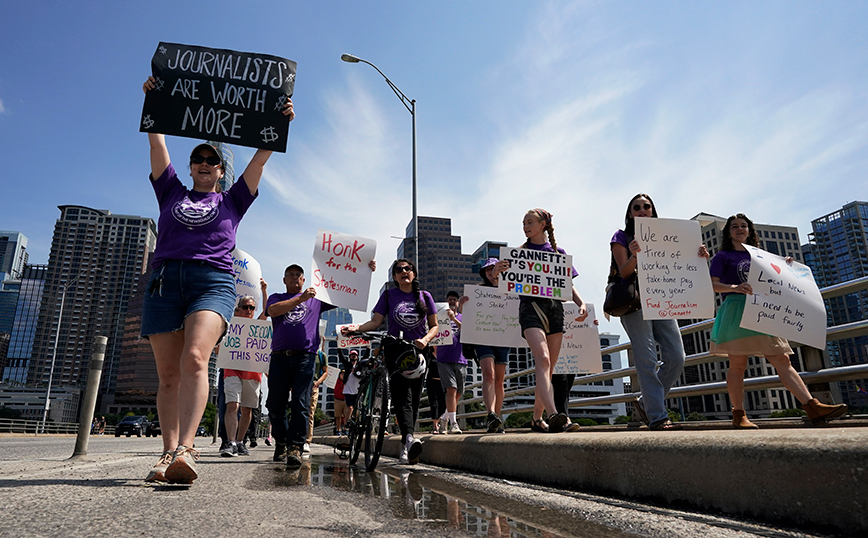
point(838, 252)
point(96, 258)
point(442, 266)
point(13, 255)
point(29, 294)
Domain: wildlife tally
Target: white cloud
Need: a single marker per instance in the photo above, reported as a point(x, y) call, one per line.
point(2, 108)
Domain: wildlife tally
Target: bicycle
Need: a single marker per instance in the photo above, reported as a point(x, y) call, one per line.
point(372, 412)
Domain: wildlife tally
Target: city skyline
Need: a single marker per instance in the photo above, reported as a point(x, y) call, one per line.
point(570, 106)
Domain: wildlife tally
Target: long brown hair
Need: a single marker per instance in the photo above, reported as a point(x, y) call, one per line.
point(420, 304)
point(752, 237)
point(545, 217)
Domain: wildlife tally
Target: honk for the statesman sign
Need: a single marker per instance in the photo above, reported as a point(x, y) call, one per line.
point(220, 95)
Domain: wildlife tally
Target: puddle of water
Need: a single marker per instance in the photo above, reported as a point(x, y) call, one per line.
point(439, 503)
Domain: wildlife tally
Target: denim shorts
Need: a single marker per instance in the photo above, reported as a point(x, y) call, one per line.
point(500, 354)
point(550, 309)
point(179, 288)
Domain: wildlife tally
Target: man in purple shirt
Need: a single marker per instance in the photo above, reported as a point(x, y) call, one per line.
point(295, 320)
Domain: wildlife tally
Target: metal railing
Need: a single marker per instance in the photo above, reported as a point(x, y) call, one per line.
point(812, 376)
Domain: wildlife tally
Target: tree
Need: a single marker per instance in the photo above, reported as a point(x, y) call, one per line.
point(208, 416)
point(695, 416)
point(519, 420)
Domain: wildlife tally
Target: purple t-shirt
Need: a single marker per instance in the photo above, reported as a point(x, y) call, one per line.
point(198, 225)
point(731, 267)
point(400, 309)
point(298, 329)
point(621, 238)
point(545, 247)
point(452, 353)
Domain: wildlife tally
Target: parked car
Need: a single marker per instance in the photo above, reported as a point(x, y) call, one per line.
point(132, 425)
point(201, 431)
point(154, 428)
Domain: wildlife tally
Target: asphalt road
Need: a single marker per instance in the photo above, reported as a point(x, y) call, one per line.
point(44, 494)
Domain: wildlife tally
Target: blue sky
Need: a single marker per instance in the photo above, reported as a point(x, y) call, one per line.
point(721, 107)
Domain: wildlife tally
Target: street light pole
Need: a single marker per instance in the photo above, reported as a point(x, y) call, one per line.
point(410, 105)
point(63, 287)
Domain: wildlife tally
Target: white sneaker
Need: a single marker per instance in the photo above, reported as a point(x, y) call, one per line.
point(306, 448)
point(414, 450)
point(403, 459)
point(443, 422)
point(455, 429)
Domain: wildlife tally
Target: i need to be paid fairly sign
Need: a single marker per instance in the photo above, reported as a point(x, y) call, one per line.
point(536, 273)
point(220, 95)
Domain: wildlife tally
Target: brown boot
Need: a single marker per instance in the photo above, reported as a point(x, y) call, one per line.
point(740, 421)
point(819, 413)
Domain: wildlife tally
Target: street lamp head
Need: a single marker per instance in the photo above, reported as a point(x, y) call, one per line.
point(350, 58)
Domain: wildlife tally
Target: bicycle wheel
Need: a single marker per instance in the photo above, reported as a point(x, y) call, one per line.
point(356, 434)
point(379, 418)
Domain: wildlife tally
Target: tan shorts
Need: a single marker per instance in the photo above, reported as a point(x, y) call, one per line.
point(245, 391)
point(340, 408)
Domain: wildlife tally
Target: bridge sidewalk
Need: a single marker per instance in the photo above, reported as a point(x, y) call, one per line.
point(815, 476)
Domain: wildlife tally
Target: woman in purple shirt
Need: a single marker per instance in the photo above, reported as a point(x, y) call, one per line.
point(729, 271)
point(411, 312)
point(191, 293)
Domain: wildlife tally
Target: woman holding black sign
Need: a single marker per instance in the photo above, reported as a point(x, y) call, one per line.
point(729, 271)
point(542, 326)
point(644, 335)
point(191, 293)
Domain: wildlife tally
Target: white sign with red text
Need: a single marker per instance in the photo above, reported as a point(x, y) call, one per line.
point(786, 301)
point(673, 278)
point(345, 342)
point(340, 274)
point(537, 273)
point(246, 346)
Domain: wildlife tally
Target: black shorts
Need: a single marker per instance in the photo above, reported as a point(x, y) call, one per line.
point(545, 314)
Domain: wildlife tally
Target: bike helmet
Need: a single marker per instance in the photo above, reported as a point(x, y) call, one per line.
point(411, 363)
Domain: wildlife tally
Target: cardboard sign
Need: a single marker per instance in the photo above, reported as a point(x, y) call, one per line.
point(345, 342)
point(535, 273)
point(580, 348)
point(445, 329)
point(220, 95)
point(490, 317)
point(247, 273)
point(786, 301)
point(246, 346)
point(341, 275)
point(673, 279)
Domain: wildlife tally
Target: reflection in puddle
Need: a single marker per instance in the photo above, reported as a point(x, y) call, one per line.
point(440, 503)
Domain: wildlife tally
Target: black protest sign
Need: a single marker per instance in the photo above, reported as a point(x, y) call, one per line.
point(219, 95)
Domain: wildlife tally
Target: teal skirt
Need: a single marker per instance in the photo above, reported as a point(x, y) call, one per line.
point(728, 338)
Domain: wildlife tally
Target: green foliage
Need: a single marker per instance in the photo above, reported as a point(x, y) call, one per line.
point(587, 422)
point(674, 416)
point(5, 412)
point(622, 419)
point(208, 416)
point(320, 418)
point(787, 413)
point(519, 420)
point(695, 416)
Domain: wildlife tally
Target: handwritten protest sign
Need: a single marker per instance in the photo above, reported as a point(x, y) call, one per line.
point(247, 273)
point(246, 346)
point(345, 342)
point(445, 330)
point(673, 279)
point(490, 317)
point(535, 273)
point(580, 348)
point(332, 376)
point(341, 275)
point(786, 301)
point(220, 95)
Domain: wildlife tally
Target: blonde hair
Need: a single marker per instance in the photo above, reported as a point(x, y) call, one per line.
point(545, 217)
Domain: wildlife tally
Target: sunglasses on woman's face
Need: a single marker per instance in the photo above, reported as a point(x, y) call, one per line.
point(639, 207)
point(248, 307)
point(403, 269)
point(199, 159)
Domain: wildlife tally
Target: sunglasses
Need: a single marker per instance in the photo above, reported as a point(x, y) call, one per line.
point(403, 269)
point(199, 159)
point(637, 207)
point(249, 307)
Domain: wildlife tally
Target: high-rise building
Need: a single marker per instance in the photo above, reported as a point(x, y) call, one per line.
point(97, 258)
point(228, 156)
point(838, 252)
point(13, 255)
point(442, 266)
point(780, 240)
point(24, 324)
